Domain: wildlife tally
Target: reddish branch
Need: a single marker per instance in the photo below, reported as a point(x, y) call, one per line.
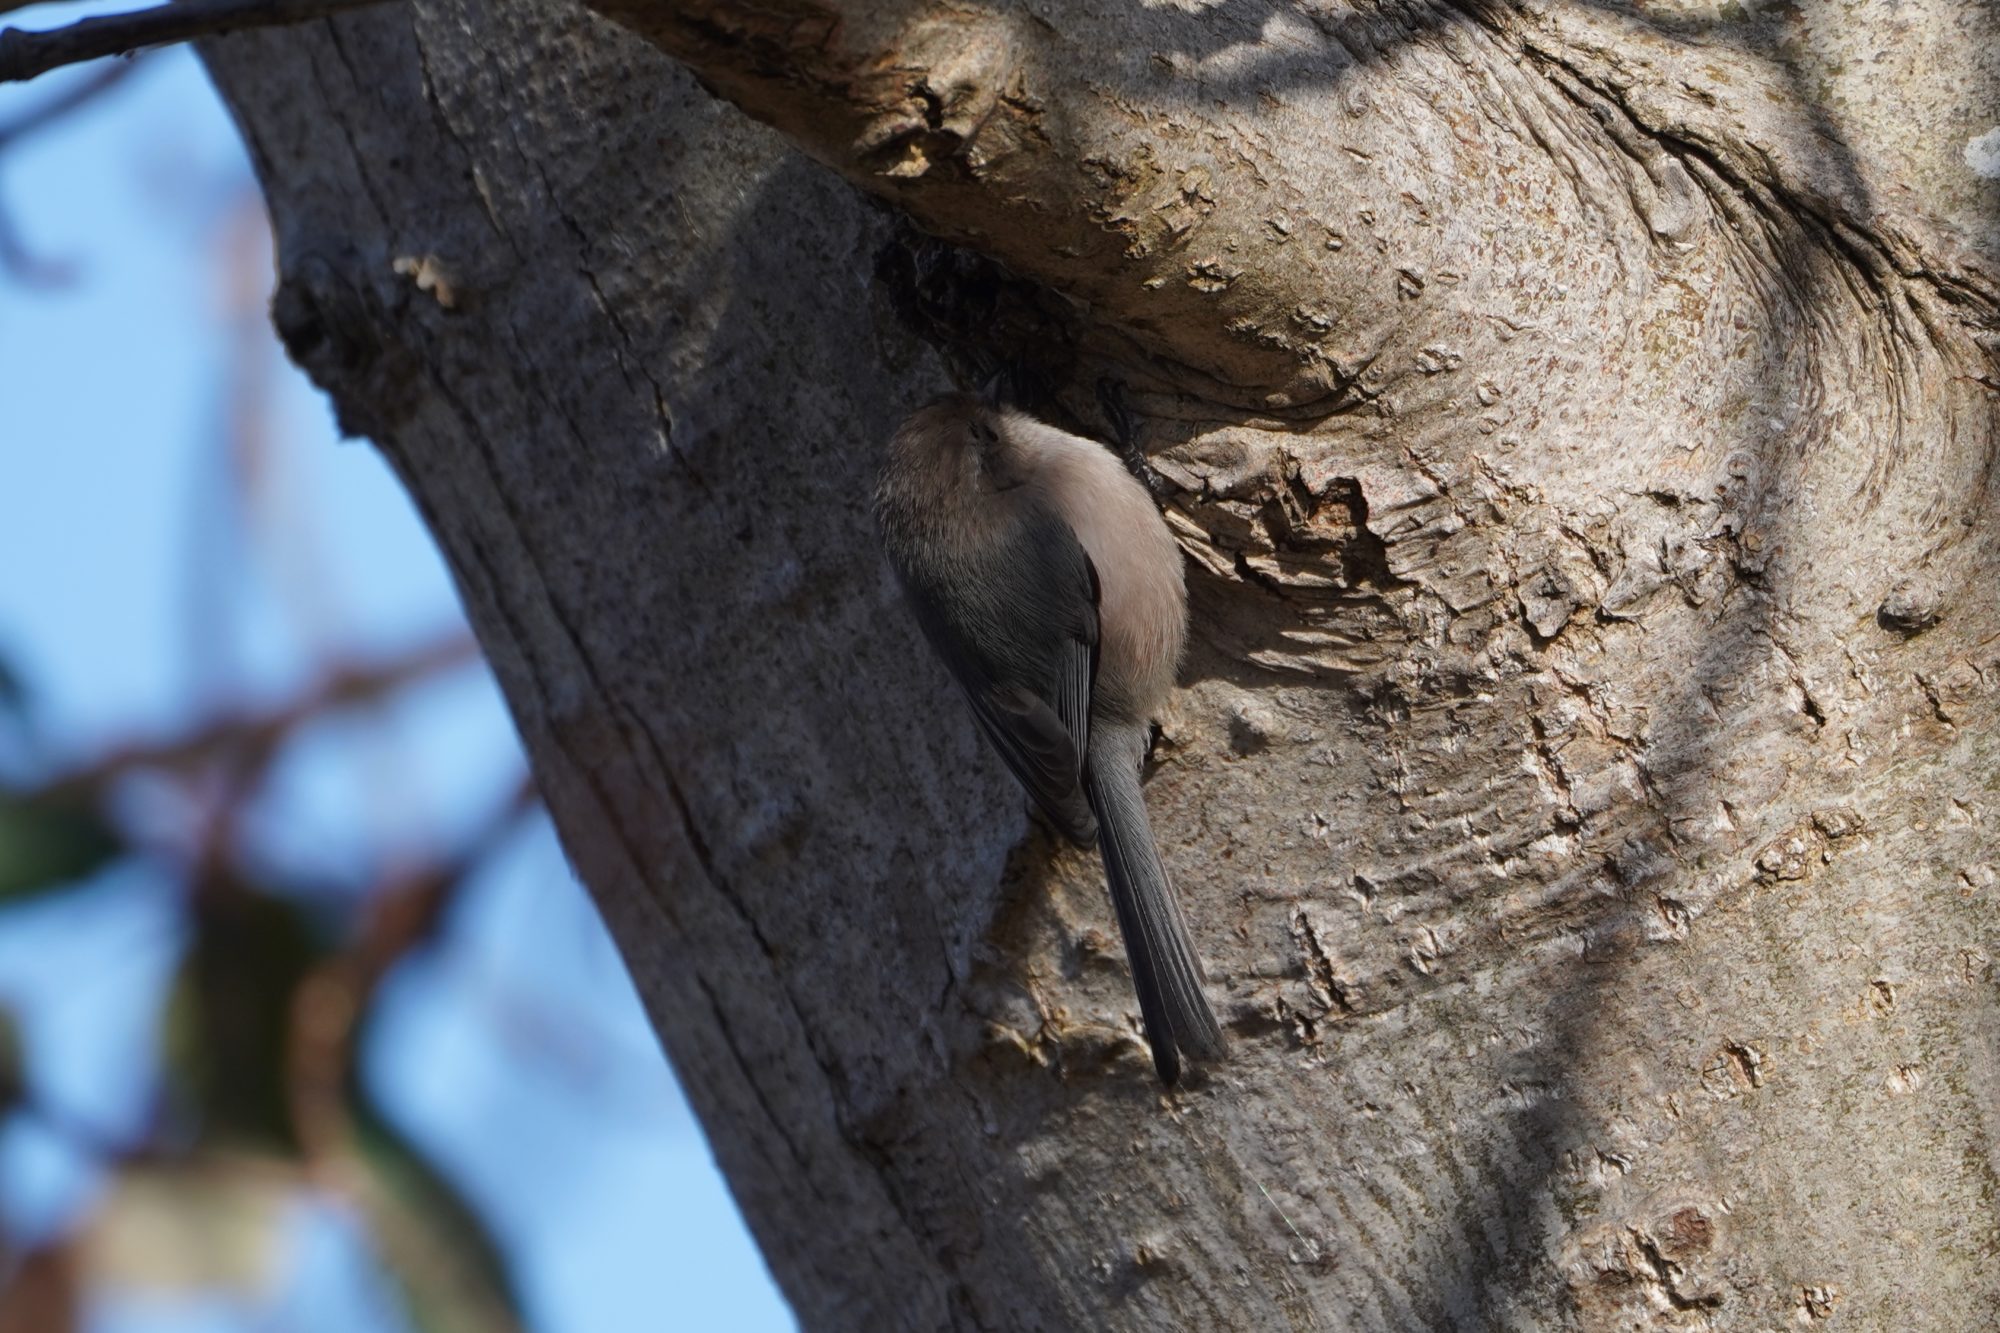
point(247, 740)
point(329, 1006)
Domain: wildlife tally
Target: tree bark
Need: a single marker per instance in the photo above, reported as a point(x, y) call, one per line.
point(1579, 421)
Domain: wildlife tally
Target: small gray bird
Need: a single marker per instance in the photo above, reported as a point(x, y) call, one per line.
point(1044, 577)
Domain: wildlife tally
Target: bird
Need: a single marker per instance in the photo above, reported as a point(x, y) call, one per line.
point(1044, 577)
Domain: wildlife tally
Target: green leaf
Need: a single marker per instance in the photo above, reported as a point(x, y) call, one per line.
point(48, 844)
point(15, 697)
point(432, 1243)
point(13, 1063)
point(227, 1027)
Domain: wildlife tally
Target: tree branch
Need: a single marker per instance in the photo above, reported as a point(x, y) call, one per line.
point(986, 130)
point(24, 55)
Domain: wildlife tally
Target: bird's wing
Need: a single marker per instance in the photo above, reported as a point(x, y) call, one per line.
point(1030, 683)
point(1076, 664)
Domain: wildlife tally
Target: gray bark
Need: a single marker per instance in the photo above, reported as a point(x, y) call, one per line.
point(1580, 422)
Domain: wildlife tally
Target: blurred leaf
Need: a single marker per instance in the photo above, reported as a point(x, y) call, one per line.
point(452, 1274)
point(229, 1020)
point(215, 1220)
point(15, 699)
point(48, 843)
point(13, 1064)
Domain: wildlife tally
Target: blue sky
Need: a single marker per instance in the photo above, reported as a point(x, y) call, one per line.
point(515, 1050)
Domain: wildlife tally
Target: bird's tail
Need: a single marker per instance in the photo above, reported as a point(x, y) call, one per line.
point(1165, 970)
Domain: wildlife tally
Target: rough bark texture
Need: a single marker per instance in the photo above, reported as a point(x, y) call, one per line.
point(1580, 421)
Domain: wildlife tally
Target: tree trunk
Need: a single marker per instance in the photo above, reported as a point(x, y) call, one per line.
point(1579, 422)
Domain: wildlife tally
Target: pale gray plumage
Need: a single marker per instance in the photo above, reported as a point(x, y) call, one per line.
point(1044, 577)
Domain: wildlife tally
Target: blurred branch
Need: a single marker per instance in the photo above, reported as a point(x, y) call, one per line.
point(271, 511)
point(434, 1243)
point(406, 913)
point(23, 266)
point(332, 1004)
point(42, 1294)
point(24, 55)
point(272, 1016)
point(249, 740)
point(432, 1239)
point(15, 258)
point(78, 94)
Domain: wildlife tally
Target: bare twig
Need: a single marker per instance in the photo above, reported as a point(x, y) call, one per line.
point(20, 263)
point(23, 55)
point(16, 259)
point(77, 95)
